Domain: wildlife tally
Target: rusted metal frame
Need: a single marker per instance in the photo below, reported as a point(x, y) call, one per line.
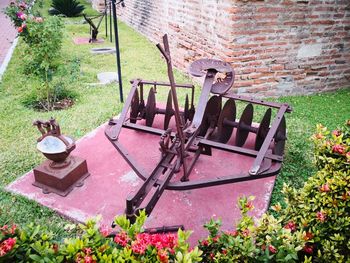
point(133, 202)
point(166, 84)
point(179, 125)
point(266, 144)
point(138, 169)
point(158, 192)
point(198, 116)
point(196, 184)
point(114, 132)
point(258, 101)
point(236, 149)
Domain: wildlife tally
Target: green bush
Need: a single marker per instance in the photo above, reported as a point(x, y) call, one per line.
point(69, 8)
point(95, 244)
point(314, 225)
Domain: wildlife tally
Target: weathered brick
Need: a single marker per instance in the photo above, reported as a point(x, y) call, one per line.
point(306, 42)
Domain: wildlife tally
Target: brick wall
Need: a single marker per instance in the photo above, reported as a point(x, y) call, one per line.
point(277, 47)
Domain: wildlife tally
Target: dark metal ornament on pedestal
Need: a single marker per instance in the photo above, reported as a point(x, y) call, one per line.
point(61, 172)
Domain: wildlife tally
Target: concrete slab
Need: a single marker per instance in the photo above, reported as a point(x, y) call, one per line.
point(111, 180)
point(107, 77)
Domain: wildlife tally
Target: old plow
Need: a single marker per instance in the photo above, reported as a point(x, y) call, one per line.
point(197, 131)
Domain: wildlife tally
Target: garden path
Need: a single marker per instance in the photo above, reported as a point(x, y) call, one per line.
point(7, 32)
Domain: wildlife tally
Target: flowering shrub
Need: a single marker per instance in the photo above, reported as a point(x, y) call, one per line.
point(266, 241)
point(314, 225)
point(130, 244)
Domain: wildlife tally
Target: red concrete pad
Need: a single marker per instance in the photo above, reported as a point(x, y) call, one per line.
point(111, 180)
point(85, 40)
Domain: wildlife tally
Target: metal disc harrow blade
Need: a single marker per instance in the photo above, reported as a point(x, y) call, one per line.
point(134, 107)
point(245, 122)
point(280, 138)
point(211, 114)
point(150, 107)
point(169, 112)
point(263, 129)
point(228, 113)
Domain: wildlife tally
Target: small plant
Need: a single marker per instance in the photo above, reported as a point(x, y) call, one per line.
point(69, 8)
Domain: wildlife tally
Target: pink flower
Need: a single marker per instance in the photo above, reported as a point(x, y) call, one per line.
point(321, 216)
point(272, 249)
point(216, 239)
point(38, 19)
point(104, 230)
point(87, 251)
point(325, 188)
point(291, 225)
point(23, 17)
point(336, 133)
point(348, 156)
point(338, 149)
point(233, 233)
point(245, 232)
point(88, 259)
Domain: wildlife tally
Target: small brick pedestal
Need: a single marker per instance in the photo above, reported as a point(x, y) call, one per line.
point(61, 180)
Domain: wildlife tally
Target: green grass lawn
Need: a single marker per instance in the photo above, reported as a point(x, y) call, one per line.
point(95, 105)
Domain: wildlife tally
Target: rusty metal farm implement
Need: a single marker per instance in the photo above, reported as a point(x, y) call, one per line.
point(198, 131)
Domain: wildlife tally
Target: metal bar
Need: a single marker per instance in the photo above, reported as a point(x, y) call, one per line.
point(106, 22)
point(258, 101)
point(266, 144)
point(161, 83)
point(117, 52)
point(236, 149)
point(114, 131)
point(110, 21)
point(197, 184)
point(139, 170)
point(179, 124)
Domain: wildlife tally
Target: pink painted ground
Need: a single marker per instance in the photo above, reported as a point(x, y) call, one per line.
point(111, 180)
point(7, 31)
point(85, 40)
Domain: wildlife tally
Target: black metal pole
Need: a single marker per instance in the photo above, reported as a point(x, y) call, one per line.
point(117, 50)
point(106, 22)
point(110, 21)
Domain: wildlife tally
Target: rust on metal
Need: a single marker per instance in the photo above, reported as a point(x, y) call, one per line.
point(61, 172)
point(197, 131)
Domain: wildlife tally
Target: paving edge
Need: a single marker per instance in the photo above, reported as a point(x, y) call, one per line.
point(8, 57)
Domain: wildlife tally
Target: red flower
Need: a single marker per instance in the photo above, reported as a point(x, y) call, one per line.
point(7, 246)
point(224, 251)
point(249, 205)
point(272, 249)
point(212, 256)
point(216, 239)
point(338, 149)
point(121, 239)
point(205, 243)
point(55, 247)
point(308, 236)
point(321, 216)
point(233, 233)
point(325, 188)
point(291, 225)
point(163, 256)
point(308, 249)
